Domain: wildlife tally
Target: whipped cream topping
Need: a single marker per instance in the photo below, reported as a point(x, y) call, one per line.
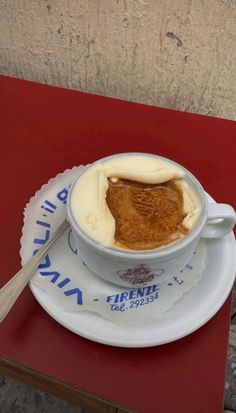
point(88, 198)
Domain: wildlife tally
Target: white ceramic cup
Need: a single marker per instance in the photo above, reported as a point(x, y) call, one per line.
point(137, 269)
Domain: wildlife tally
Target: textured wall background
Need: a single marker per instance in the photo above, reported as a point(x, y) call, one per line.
point(172, 53)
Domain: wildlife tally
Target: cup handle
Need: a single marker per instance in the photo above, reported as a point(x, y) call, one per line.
point(227, 217)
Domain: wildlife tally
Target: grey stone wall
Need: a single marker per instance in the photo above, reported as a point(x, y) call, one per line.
point(173, 53)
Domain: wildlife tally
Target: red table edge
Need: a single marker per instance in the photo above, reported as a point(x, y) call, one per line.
point(72, 394)
point(109, 97)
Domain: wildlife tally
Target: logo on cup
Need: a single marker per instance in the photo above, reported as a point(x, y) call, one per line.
point(140, 274)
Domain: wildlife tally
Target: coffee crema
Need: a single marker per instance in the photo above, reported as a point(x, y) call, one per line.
point(147, 216)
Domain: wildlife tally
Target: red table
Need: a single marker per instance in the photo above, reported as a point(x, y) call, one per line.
point(45, 130)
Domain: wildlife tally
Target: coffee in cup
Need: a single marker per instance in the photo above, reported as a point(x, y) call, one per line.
point(136, 203)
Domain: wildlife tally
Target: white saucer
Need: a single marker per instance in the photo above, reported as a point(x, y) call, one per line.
point(186, 316)
point(193, 310)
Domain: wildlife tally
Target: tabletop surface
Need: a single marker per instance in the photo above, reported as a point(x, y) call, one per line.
point(45, 130)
